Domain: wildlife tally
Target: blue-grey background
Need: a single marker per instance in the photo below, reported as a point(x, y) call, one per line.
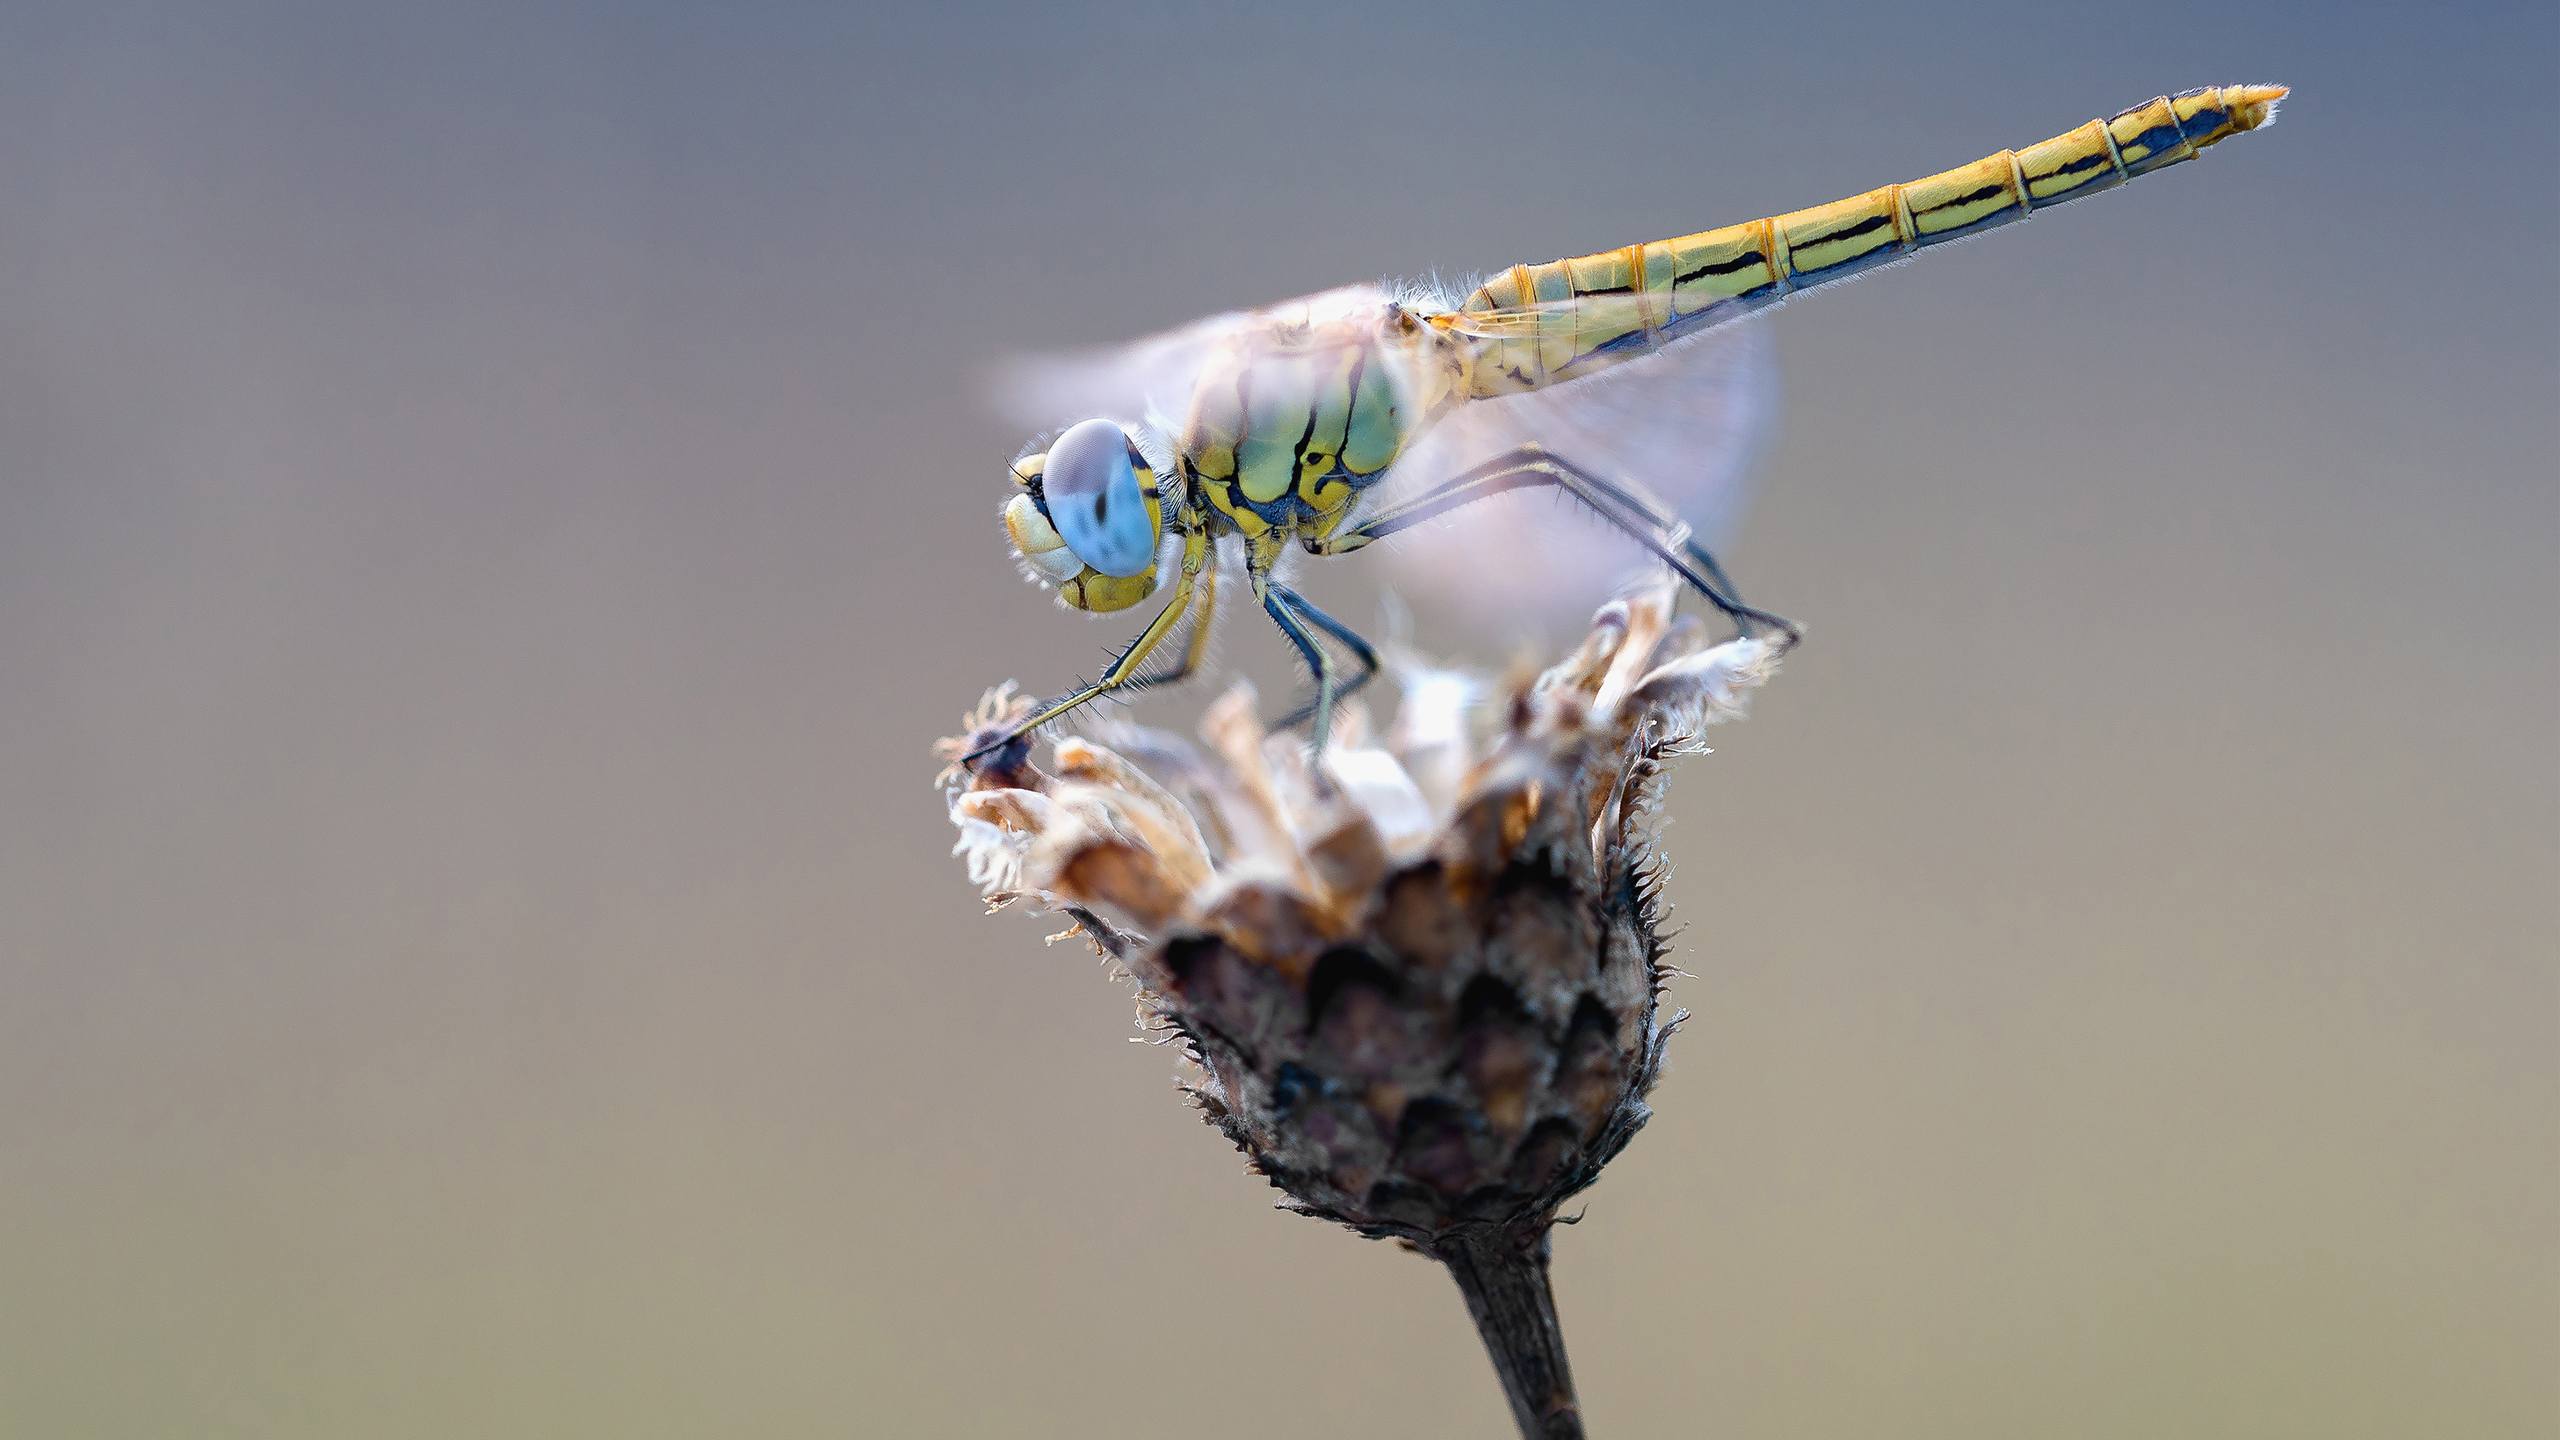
point(494, 503)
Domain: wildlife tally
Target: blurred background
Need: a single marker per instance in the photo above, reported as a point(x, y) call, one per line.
point(495, 503)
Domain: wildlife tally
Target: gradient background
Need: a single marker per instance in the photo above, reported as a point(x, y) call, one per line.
point(494, 507)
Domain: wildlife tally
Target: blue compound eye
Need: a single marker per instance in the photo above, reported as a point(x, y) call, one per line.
point(1098, 502)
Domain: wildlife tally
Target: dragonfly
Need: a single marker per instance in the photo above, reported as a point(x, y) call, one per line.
point(1272, 432)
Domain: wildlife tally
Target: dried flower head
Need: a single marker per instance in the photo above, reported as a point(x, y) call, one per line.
point(1420, 987)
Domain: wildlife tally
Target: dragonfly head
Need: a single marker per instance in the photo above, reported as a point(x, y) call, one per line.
point(1086, 517)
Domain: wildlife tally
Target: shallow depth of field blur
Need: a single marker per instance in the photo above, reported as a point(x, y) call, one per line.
point(493, 510)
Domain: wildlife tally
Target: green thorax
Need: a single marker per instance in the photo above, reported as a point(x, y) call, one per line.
point(1297, 415)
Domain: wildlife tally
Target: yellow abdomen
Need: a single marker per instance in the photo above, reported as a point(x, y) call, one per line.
point(1599, 309)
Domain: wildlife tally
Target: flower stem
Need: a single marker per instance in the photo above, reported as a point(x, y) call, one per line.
point(1502, 1272)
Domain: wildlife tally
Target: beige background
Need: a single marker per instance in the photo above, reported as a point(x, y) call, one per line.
point(492, 511)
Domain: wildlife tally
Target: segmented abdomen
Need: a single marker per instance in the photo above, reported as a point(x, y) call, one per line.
point(1599, 309)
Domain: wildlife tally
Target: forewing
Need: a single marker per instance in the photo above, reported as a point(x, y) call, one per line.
point(1682, 423)
point(1151, 379)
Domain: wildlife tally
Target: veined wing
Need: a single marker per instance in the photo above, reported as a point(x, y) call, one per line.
point(1151, 380)
point(1681, 420)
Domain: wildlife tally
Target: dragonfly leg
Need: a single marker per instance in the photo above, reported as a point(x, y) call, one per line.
point(1672, 526)
point(1623, 506)
point(1320, 709)
point(1119, 675)
point(1195, 648)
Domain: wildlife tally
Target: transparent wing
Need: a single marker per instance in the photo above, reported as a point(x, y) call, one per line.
point(1683, 423)
point(1136, 380)
point(1149, 379)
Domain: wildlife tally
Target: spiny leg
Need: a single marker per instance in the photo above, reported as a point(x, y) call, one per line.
point(1667, 537)
point(1119, 674)
point(1361, 651)
point(1624, 506)
point(1532, 465)
point(1275, 602)
point(1636, 501)
point(1195, 648)
point(1652, 509)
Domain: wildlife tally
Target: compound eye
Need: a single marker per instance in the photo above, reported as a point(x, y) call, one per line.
point(1097, 502)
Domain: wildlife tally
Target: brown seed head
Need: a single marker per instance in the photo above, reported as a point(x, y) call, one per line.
point(1420, 989)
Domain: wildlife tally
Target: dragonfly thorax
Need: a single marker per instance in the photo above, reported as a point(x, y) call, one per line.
point(1297, 415)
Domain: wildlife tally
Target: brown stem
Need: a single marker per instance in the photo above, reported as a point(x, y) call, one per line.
point(1502, 1272)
